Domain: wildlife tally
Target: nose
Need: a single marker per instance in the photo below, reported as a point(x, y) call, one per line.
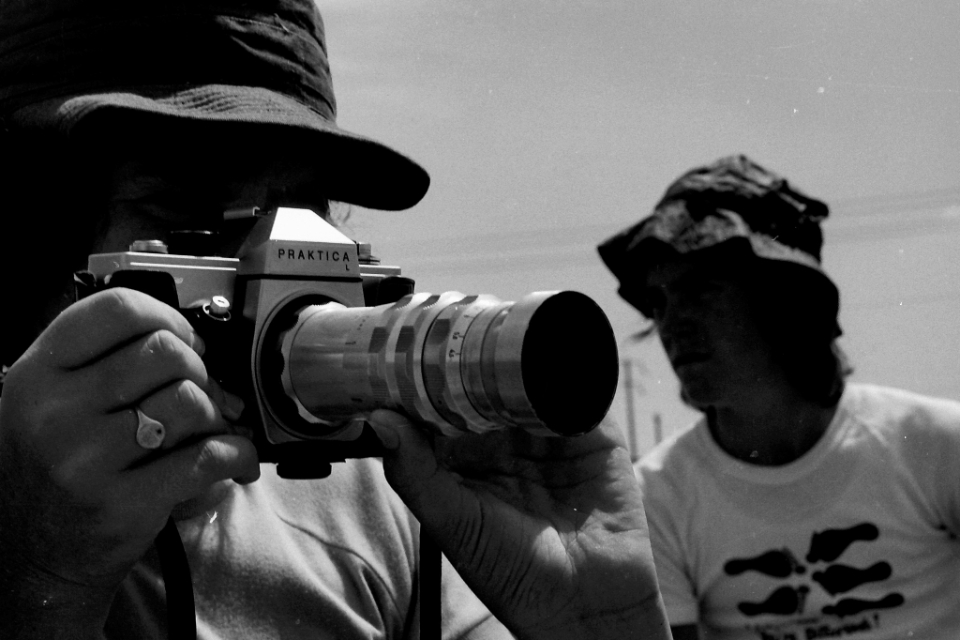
point(677, 322)
point(670, 312)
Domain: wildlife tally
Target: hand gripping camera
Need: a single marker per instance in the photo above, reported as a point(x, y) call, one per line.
point(313, 333)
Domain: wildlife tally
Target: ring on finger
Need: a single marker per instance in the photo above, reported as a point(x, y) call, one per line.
point(150, 432)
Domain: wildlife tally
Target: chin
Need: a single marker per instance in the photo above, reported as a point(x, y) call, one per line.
point(698, 394)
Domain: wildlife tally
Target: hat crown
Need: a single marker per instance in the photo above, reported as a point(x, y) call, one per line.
point(59, 48)
point(256, 64)
point(732, 211)
point(764, 201)
point(732, 202)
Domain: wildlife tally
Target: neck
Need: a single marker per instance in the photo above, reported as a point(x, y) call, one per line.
point(770, 429)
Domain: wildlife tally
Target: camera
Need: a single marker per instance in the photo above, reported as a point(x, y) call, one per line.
point(313, 333)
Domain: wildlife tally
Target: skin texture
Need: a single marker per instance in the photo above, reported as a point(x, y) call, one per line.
point(550, 533)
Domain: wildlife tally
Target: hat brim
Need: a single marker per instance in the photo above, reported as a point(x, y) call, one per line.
point(353, 168)
point(803, 282)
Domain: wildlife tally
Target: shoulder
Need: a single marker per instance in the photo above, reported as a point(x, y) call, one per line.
point(675, 449)
point(915, 438)
point(665, 468)
point(921, 430)
point(888, 409)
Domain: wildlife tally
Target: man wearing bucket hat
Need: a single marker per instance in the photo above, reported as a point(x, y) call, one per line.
point(129, 120)
point(799, 506)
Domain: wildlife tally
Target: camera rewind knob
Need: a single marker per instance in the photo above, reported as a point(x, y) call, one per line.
point(219, 308)
point(148, 246)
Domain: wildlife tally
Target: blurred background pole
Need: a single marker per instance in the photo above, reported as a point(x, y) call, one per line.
point(657, 428)
point(627, 364)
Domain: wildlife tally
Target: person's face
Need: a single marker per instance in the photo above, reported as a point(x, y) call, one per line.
point(142, 194)
point(147, 198)
point(704, 318)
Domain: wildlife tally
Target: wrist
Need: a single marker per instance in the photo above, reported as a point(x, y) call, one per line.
point(645, 621)
point(44, 606)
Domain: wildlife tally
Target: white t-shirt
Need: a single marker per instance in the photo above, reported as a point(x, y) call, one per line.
point(857, 538)
point(330, 559)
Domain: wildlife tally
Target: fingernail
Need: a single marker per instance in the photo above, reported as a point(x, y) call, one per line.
point(390, 418)
point(199, 345)
point(386, 429)
point(232, 406)
point(248, 478)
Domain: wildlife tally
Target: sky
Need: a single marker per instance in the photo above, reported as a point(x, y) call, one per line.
point(549, 125)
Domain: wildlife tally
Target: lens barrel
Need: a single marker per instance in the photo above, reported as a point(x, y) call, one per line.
point(463, 363)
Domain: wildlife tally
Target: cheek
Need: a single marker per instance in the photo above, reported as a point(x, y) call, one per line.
point(119, 228)
point(232, 235)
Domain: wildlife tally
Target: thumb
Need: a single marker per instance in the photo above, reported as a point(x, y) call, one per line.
point(412, 468)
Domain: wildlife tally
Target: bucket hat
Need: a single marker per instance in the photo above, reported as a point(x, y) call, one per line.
point(256, 63)
point(730, 209)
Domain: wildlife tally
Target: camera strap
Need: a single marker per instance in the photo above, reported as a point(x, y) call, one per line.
point(431, 563)
point(177, 583)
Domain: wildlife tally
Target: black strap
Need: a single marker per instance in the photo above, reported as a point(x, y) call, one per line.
point(181, 610)
point(431, 562)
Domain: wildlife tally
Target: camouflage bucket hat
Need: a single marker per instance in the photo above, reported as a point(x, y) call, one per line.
point(260, 65)
point(734, 208)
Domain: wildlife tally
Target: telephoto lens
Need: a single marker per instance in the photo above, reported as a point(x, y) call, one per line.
point(462, 363)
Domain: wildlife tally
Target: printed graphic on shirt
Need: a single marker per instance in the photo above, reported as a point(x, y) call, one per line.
point(836, 579)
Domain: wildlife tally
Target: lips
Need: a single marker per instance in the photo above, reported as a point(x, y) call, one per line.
point(685, 347)
point(688, 358)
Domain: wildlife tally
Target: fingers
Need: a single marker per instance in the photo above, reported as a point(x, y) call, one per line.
point(189, 471)
point(430, 475)
point(94, 326)
point(68, 442)
point(411, 463)
point(126, 376)
point(188, 412)
point(103, 359)
point(185, 412)
point(413, 471)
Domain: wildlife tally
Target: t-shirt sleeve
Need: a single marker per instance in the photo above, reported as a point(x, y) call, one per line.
point(929, 440)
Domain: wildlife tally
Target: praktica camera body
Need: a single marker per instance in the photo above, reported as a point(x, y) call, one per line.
point(313, 333)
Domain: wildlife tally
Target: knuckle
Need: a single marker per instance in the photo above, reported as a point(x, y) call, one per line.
point(163, 343)
point(76, 482)
point(116, 303)
point(210, 458)
point(190, 401)
point(41, 430)
point(176, 355)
